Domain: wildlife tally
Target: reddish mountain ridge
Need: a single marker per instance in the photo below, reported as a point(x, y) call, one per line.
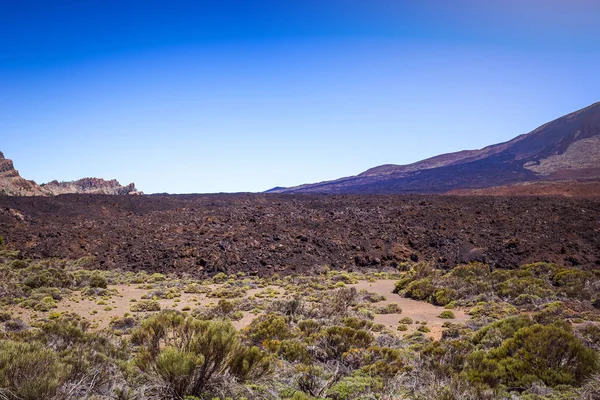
point(12, 184)
point(566, 149)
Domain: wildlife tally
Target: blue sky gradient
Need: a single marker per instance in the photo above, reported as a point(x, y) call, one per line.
point(210, 96)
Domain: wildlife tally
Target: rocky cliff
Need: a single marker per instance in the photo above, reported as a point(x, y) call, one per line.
point(12, 184)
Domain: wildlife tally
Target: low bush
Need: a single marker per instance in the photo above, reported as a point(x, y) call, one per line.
point(190, 355)
point(551, 354)
point(391, 308)
point(145, 305)
point(30, 371)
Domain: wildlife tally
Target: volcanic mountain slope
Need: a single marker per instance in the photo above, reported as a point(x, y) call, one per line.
point(12, 184)
point(565, 149)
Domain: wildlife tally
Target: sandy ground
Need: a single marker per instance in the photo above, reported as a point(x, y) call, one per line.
point(416, 310)
point(100, 312)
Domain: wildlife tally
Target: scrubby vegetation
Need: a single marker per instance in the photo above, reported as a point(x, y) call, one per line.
point(533, 333)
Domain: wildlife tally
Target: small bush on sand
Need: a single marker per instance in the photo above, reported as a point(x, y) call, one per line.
point(145, 305)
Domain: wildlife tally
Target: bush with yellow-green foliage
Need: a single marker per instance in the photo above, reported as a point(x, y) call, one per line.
point(391, 308)
point(547, 353)
point(30, 371)
point(267, 327)
point(227, 292)
point(145, 305)
point(188, 355)
point(334, 341)
point(493, 310)
point(529, 284)
point(356, 386)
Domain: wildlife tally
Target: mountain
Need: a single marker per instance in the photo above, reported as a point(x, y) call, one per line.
point(12, 184)
point(566, 149)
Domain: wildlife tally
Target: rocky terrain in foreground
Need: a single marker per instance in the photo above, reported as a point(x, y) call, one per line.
point(12, 184)
point(265, 234)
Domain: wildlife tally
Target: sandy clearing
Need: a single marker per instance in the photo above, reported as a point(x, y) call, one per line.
point(416, 310)
point(100, 312)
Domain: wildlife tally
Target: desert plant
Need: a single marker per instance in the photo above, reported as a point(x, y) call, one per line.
point(145, 305)
point(267, 327)
point(551, 354)
point(30, 371)
point(187, 355)
point(391, 308)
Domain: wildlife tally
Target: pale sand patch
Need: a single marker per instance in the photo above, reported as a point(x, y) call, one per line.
point(100, 317)
point(416, 310)
point(121, 303)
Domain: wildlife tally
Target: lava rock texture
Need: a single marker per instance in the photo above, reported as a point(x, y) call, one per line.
point(268, 233)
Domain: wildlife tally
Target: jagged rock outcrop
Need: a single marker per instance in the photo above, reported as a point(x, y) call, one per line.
point(12, 184)
point(90, 186)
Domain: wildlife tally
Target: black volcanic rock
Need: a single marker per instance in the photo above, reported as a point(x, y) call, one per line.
point(567, 148)
point(270, 233)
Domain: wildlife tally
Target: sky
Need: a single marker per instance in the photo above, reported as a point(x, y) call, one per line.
point(230, 96)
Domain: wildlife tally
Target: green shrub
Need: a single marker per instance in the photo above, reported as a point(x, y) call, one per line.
point(227, 293)
point(98, 281)
point(550, 354)
point(267, 327)
point(309, 327)
point(402, 327)
point(421, 289)
point(493, 310)
point(145, 305)
point(354, 387)
point(337, 340)
point(447, 315)
point(423, 329)
point(391, 308)
point(357, 323)
point(19, 264)
point(30, 370)
point(444, 296)
point(156, 277)
point(220, 277)
point(406, 320)
point(188, 354)
point(51, 277)
point(551, 312)
point(492, 335)
point(293, 350)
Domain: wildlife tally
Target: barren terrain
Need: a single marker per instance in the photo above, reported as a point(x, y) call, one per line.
point(264, 234)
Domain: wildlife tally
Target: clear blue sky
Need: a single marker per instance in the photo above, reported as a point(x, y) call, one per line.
point(210, 96)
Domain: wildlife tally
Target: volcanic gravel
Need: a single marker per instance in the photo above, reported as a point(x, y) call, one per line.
point(267, 233)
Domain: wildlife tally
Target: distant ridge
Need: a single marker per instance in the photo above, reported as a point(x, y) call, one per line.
point(566, 149)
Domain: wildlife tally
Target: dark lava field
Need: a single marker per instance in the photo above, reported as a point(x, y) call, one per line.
point(268, 233)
